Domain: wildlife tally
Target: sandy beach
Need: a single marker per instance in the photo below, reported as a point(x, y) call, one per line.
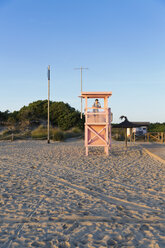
point(52, 195)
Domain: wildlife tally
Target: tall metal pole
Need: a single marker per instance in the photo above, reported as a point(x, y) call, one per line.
point(81, 92)
point(81, 68)
point(48, 105)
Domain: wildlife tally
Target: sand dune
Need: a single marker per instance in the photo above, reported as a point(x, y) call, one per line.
point(54, 196)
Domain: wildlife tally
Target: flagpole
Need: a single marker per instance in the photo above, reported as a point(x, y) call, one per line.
point(81, 91)
point(81, 68)
point(48, 126)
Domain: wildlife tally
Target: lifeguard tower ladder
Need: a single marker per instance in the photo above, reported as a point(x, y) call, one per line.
point(97, 124)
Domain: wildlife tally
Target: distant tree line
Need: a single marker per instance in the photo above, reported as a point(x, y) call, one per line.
point(4, 116)
point(156, 127)
point(62, 115)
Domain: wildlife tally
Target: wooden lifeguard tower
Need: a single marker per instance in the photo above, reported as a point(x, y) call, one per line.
point(97, 124)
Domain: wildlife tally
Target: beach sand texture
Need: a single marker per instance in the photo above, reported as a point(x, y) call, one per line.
point(52, 195)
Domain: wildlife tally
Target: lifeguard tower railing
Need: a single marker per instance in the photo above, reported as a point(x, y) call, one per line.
point(102, 116)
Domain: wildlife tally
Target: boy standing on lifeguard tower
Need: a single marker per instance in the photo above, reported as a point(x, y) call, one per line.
point(96, 106)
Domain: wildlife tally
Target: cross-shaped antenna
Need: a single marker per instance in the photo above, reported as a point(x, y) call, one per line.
point(81, 68)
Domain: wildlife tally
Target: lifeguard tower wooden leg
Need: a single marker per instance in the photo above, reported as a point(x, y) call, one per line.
point(106, 150)
point(110, 138)
point(86, 151)
point(86, 139)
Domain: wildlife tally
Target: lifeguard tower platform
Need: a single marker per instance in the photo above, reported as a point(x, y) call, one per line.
point(97, 124)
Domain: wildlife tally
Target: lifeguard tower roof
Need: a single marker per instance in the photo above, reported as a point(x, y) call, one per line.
point(96, 94)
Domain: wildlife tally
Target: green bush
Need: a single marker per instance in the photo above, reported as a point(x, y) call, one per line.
point(58, 135)
point(9, 132)
point(118, 137)
point(73, 133)
point(39, 133)
point(6, 132)
point(76, 130)
point(118, 134)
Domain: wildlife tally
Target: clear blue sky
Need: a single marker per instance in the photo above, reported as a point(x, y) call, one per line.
point(122, 42)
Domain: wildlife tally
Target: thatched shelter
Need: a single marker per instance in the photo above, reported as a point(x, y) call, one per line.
point(125, 124)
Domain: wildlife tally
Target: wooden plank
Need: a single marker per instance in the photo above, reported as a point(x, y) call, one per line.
point(97, 113)
point(93, 124)
point(99, 136)
point(156, 136)
point(96, 94)
point(95, 135)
